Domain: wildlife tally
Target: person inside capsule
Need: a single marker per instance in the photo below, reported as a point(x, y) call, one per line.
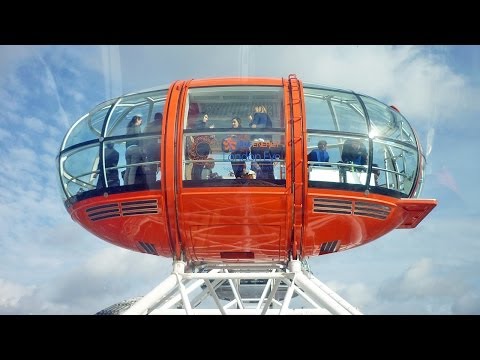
point(354, 152)
point(239, 151)
point(260, 118)
point(200, 149)
point(151, 149)
point(111, 160)
point(134, 174)
point(261, 145)
point(319, 156)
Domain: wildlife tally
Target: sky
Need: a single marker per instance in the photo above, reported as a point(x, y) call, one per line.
point(51, 265)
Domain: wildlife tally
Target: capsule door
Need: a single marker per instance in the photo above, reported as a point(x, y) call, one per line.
point(232, 182)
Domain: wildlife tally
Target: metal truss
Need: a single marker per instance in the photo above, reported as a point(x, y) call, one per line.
point(238, 289)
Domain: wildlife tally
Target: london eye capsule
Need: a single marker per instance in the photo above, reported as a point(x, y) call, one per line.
point(242, 170)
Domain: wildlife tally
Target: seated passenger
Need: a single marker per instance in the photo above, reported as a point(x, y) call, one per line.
point(207, 172)
point(250, 174)
point(320, 154)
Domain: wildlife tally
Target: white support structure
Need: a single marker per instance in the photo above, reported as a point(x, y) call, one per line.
point(237, 289)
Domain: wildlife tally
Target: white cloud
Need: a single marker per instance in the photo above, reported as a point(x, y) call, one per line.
point(415, 78)
point(357, 294)
point(109, 276)
point(11, 293)
point(468, 304)
point(5, 135)
point(12, 56)
point(423, 280)
point(34, 124)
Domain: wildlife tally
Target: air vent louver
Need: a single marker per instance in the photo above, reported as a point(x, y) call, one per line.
point(359, 208)
point(140, 207)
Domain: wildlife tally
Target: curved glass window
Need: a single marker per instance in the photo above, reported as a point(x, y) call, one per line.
point(329, 159)
point(387, 122)
point(143, 105)
point(234, 133)
point(341, 153)
point(80, 169)
point(396, 165)
point(334, 110)
point(235, 136)
point(102, 153)
point(89, 126)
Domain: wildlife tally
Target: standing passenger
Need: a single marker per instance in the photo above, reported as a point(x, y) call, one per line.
point(151, 148)
point(264, 166)
point(354, 152)
point(241, 143)
point(261, 118)
point(111, 160)
point(133, 154)
point(200, 149)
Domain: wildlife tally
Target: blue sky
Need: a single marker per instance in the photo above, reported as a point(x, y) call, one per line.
point(50, 265)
